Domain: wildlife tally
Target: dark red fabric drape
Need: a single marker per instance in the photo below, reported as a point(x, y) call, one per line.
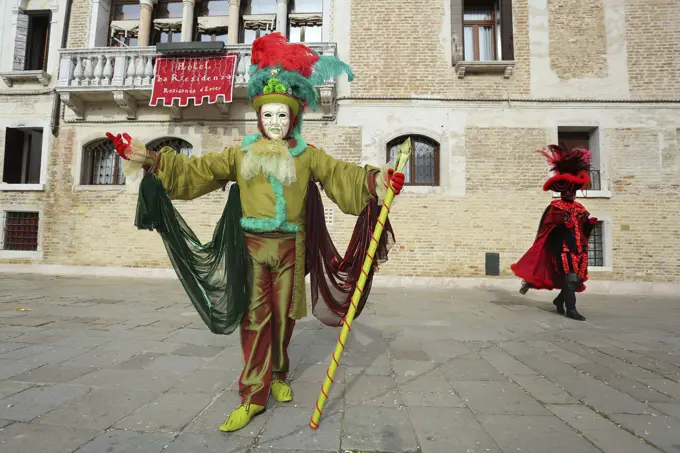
point(333, 276)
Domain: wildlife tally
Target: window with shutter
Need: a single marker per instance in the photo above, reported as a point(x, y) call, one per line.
point(37, 44)
point(570, 137)
point(487, 30)
point(20, 42)
point(482, 36)
point(23, 156)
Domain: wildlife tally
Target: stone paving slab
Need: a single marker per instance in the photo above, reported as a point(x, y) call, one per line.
point(533, 433)
point(461, 370)
point(662, 432)
point(542, 390)
point(170, 412)
point(370, 428)
point(117, 441)
point(208, 443)
point(35, 438)
point(602, 432)
point(99, 409)
point(447, 429)
point(32, 403)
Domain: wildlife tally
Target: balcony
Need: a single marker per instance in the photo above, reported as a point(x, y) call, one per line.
point(125, 75)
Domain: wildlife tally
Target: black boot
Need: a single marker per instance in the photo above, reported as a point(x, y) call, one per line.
point(573, 314)
point(559, 304)
point(571, 283)
point(525, 287)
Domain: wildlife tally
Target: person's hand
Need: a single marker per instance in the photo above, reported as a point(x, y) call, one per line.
point(127, 149)
point(397, 180)
point(121, 143)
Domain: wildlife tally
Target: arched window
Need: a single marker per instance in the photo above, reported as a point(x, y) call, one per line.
point(423, 167)
point(179, 145)
point(101, 164)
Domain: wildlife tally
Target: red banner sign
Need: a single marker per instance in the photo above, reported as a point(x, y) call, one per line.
point(194, 78)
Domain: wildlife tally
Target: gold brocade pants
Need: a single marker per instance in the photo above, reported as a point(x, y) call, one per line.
point(266, 328)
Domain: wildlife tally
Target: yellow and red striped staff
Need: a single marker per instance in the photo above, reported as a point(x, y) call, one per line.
point(403, 156)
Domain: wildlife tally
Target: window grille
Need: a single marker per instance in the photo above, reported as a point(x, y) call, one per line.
point(21, 231)
point(596, 246)
point(423, 167)
point(180, 146)
point(102, 165)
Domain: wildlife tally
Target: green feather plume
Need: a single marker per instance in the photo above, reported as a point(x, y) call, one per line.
point(304, 89)
point(328, 68)
point(300, 87)
point(258, 80)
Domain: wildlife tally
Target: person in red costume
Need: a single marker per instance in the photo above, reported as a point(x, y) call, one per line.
point(558, 259)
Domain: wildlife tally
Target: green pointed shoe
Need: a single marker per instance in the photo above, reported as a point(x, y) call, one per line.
point(281, 391)
point(240, 417)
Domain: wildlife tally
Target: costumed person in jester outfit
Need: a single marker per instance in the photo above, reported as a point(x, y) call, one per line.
point(559, 256)
point(272, 232)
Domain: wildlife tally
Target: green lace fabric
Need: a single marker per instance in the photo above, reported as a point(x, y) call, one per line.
point(214, 275)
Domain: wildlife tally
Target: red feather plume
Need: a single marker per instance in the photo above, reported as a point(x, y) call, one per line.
point(273, 49)
point(572, 161)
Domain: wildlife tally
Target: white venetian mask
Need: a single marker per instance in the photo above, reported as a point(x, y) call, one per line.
point(275, 120)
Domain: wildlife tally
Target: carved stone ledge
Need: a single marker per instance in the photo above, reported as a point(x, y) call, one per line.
point(506, 68)
point(175, 112)
point(327, 100)
point(127, 103)
point(74, 103)
point(223, 107)
point(25, 76)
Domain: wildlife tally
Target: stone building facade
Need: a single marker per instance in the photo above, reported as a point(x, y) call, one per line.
point(479, 86)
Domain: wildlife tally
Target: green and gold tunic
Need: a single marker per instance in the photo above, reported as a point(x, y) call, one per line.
point(267, 205)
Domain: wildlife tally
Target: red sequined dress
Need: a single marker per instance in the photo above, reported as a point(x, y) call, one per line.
point(561, 247)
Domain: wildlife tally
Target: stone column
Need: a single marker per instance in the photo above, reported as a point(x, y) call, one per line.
point(145, 14)
point(234, 19)
point(188, 20)
point(282, 16)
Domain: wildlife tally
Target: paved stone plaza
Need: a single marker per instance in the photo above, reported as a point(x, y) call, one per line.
point(109, 365)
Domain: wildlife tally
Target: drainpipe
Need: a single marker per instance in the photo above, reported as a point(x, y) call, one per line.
point(56, 99)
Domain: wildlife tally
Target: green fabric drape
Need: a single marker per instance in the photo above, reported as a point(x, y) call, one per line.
point(215, 275)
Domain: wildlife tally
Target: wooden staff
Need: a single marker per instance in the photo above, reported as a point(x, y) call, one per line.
point(402, 159)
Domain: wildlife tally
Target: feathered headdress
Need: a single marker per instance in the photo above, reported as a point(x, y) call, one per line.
point(571, 168)
point(287, 73)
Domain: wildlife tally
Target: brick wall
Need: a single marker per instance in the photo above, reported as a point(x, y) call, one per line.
point(500, 160)
point(653, 46)
point(401, 51)
point(448, 236)
point(80, 23)
point(398, 49)
point(578, 38)
point(646, 207)
point(437, 235)
point(95, 226)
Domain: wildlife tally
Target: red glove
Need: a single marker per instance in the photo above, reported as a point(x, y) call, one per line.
point(120, 143)
point(397, 180)
point(593, 220)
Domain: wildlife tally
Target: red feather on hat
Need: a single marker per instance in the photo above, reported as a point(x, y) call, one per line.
point(273, 50)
